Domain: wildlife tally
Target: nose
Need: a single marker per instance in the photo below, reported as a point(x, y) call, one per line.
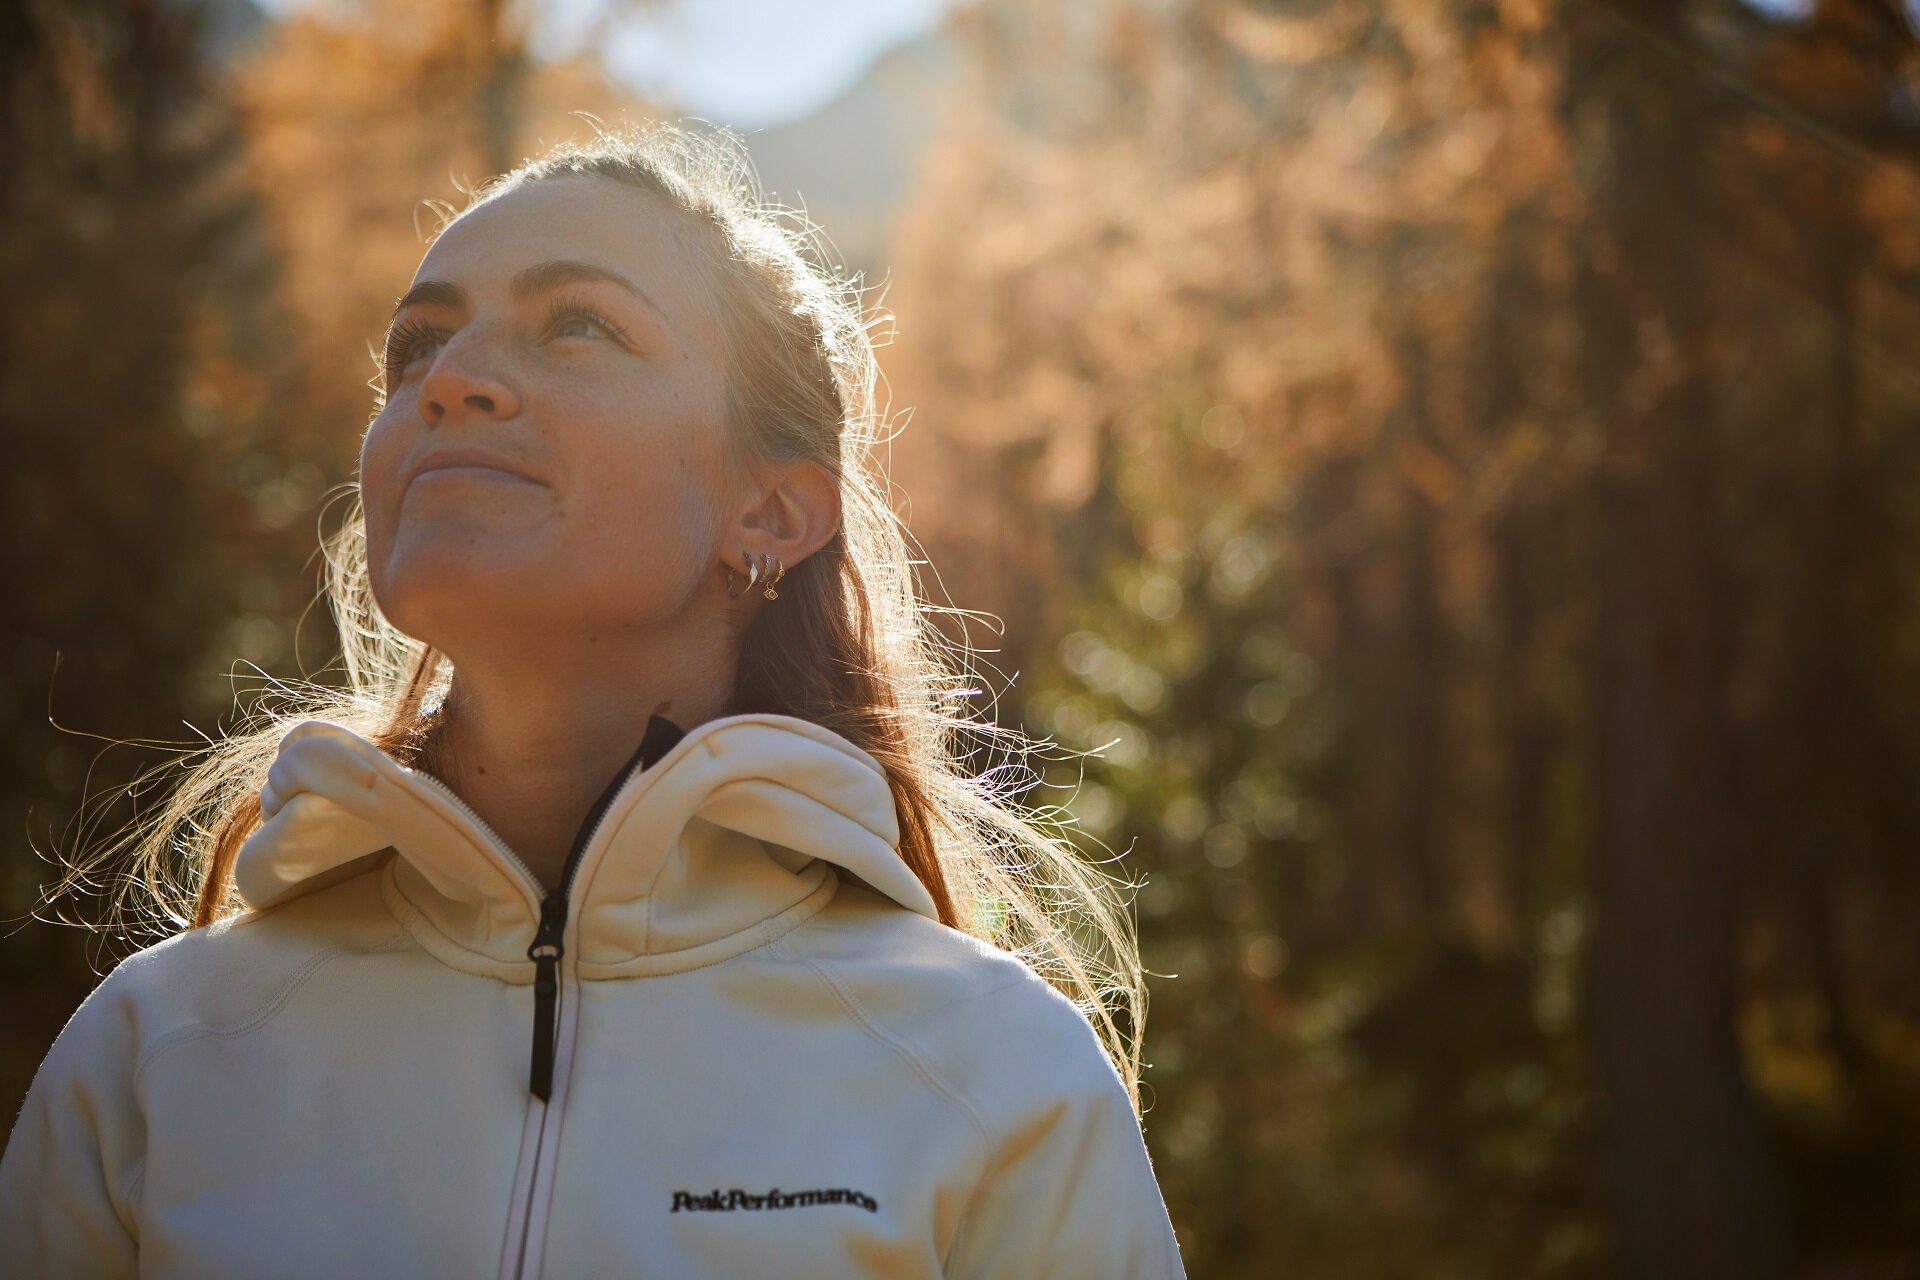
point(464, 379)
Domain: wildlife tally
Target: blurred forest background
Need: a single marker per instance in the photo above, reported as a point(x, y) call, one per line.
point(1458, 462)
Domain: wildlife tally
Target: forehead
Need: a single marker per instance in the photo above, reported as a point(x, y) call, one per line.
point(585, 219)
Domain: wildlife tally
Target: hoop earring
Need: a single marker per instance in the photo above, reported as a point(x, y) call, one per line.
point(753, 576)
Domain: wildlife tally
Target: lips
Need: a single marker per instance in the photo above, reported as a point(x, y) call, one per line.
point(467, 459)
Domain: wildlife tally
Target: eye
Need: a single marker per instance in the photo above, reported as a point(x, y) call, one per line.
point(577, 325)
point(405, 344)
point(572, 318)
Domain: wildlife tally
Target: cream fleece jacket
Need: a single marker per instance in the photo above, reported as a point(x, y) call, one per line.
point(761, 1053)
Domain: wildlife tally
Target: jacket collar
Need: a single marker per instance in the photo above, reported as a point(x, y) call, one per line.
point(706, 844)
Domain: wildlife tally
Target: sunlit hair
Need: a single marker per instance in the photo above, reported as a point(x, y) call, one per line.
point(852, 645)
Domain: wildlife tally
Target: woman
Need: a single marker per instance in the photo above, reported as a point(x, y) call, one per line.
point(628, 913)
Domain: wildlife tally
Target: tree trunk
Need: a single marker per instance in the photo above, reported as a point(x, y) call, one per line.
point(1685, 1166)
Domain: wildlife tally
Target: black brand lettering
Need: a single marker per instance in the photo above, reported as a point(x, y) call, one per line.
point(740, 1198)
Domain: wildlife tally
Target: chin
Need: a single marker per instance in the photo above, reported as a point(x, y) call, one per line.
point(431, 597)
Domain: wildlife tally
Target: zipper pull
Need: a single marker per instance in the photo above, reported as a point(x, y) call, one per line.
point(545, 951)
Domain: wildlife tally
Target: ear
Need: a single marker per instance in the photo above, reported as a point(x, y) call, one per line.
point(796, 511)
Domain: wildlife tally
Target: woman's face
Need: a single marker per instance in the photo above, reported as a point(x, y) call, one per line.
point(557, 352)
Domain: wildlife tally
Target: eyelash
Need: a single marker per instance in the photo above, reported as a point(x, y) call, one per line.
point(401, 340)
point(565, 308)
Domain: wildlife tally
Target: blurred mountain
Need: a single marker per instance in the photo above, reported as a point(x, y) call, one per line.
point(851, 163)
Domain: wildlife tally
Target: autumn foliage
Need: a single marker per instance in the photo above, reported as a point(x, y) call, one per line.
point(1453, 466)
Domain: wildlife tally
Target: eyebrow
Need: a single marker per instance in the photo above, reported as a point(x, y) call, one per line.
point(536, 278)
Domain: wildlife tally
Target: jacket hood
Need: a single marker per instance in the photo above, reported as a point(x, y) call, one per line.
point(737, 833)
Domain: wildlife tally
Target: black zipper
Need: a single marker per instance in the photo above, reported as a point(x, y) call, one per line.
point(547, 948)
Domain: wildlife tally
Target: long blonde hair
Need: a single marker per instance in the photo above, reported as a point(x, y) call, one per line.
point(853, 647)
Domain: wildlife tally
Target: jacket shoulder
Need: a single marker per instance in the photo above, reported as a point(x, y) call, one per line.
point(977, 1018)
point(1066, 1187)
point(220, 974)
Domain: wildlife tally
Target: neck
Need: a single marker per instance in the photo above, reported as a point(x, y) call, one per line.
point(531, 745)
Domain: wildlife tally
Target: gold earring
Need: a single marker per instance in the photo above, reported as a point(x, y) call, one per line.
point(779, 572)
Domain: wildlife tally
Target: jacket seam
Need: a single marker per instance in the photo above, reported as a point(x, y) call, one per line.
point(751, 938)
point(267, 1012)
point(130, 1193)
point(899, 1046)
point(993, 1165)
point(409, 913)
point(926, 1073)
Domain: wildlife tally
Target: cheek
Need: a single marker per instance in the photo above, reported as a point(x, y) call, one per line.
point(663, 496)
point(658, 495)
point(383, 452)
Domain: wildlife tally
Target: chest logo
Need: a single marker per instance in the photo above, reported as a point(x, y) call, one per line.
point(738, 1198)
